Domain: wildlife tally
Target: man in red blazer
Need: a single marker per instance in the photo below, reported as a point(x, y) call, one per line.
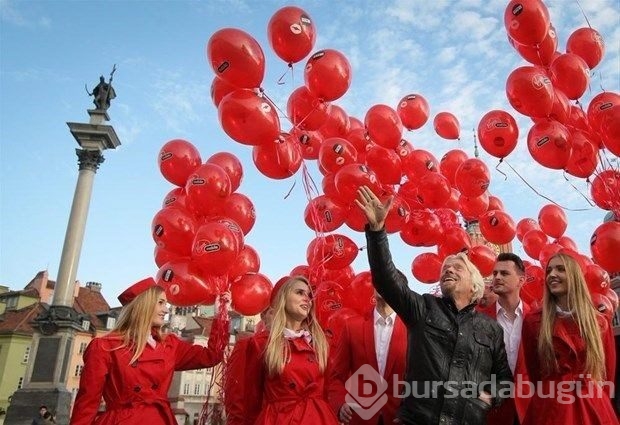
point(509, 311)
point(378, 340)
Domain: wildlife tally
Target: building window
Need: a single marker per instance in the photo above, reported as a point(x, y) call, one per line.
point(83, 346)
point(197, 389)
point(26, 355)
point(86, 324)
point(78, 370)
point(11, 303)
point(20, 383)
point(186, 389)
point(110, 322)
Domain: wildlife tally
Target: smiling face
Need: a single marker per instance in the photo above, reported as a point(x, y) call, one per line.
point(455, 278)
point(161, 309)
point(298, 301)
point(556, 278)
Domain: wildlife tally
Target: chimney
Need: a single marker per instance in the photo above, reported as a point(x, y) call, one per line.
point(94, 286)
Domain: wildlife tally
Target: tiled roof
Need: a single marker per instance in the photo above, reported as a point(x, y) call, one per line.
point(91, 303)
point(19, 321)
point(28, 292)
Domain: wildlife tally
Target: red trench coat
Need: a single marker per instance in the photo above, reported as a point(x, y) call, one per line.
point(296, 397)
point(137, 393)
point(357, 348)
point(570, 354)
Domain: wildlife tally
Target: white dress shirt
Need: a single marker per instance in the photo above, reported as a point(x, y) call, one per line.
point(512, 332)
point(383, 335)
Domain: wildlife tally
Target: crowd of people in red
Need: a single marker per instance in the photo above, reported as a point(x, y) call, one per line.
point(468, 356)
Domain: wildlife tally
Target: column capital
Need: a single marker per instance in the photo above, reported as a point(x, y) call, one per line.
point(89, 159)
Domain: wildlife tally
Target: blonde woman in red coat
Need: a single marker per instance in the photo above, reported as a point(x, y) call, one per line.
point(569, 353)
point(286, 369)
point(132, 366)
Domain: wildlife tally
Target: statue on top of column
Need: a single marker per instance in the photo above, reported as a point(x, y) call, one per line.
point(103, 92)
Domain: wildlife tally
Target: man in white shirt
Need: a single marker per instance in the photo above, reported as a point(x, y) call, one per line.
point(508, 310)
point(379, 340)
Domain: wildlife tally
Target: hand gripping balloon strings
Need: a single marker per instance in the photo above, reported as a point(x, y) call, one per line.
point(543, 196)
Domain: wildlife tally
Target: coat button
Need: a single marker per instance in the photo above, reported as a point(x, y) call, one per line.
point(137, 388)
point(291, 385)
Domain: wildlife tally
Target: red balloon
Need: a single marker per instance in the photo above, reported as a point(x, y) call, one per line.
point(349, 179)
point(495, 203)
point(533, 289)
point(360, 296)
point(385, 163)
point(207, 187)
point(497, 227)
point(613, 297)
point(328, 74)
point(561, 109)
point(356, 219)
point(177, 159)
point(324, 215)
point(413, 111)
point(250, 294)
point(173, 229)
point(548, 144)
point(529, 91)
point(597, 279)
point(291, 34)
point(527, 21)
point(337, 123)
point(342, 276)
point(605, 246)
point(418, 164)
point(398, 216)
point(175, 198)
point(483, 258)
point(472, 208)
point(603, 305)
point(356, 124)
point(548, 251)
point(335, 153)
point(588, 44)
point(454, 241)
point(426, 267)
point(567, 242)
point(162, 256)
point(498, 133)
point(305, 110)
point(361, 142)
point(336, 321)
point(610, 130)
point(231, 164)
point(552, 220)
point(450, 162)
point(249, 118)
point(216, 247)
point(240, 209)
point(384, 126)
point(447, 125)
point(472, 177)
point(533, 241)
point(525, 225)
point(570, 74)
point(184, 286)
point(280, 159)
point(599, 107)
point(309, 141)
point(583, 158)
point(539, 54)
point(333, 251)
point(328, 300)
point(219, 89)
point(246, 262)
point(236, 57)
point(605, 190)
point(434, 190)
point(423, 229)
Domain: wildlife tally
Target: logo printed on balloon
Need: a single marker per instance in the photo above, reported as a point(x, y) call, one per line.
point(605, 105)
point(265, 107)
point(540, 81)
point(402, 212)
point(165, 155)
point(517, 9)
point(331, 305)
point(430, 165)
point(168, 275)
point(159, 230)
point(542, 141)
point(211, 247)
point(305, 19)
point(198, 180)
point(328, 216)
point(338, 149)
point(593, 239)
point(170, 200)
point(304, 139)
point(295, 28)
point(318, 55)
point(494, 221)
point(223, 67)
point(175, 289)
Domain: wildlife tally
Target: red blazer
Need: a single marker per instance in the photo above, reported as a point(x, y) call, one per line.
point(357, 348)
point(234, 378)
point(506, 412)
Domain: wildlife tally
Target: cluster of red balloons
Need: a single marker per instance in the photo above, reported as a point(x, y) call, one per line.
point(200, 230)
point(562, 137)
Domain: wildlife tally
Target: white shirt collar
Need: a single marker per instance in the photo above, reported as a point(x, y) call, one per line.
point(302, 333)
point(563, 313)
point(377, 318)
point(518, 310)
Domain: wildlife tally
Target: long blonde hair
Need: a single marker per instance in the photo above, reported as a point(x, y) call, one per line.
point(278, 352)
point(134, 325)
point(584, 314)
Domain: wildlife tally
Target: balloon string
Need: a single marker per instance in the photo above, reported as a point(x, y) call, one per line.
point(583, 13)
point(266, 96)
point(290, 190)
point(499, 171)
point(281, 80)
point(577, 190)
point(543, 196)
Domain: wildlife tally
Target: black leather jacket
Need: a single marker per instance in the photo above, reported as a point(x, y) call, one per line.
point(451, 355)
